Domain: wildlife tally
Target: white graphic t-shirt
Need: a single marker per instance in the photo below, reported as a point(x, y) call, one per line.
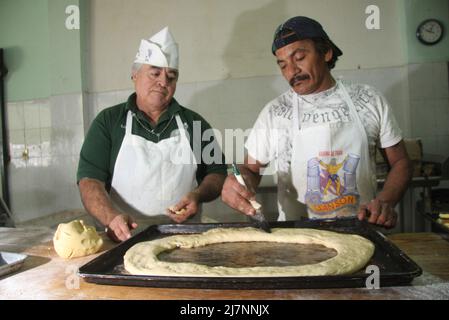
point(270, 139)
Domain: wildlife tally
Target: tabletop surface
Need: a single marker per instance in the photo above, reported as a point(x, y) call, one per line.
point(44, 275)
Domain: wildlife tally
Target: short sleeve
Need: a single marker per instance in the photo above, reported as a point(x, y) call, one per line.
point(390, 133)
point(95, 152)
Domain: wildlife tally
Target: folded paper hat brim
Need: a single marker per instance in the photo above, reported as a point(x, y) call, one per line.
point(150, 53)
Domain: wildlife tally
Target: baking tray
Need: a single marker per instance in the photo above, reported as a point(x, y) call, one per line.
point(10, 262)
point(396, 268)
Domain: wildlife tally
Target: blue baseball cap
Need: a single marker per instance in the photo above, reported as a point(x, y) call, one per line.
point(302, 28)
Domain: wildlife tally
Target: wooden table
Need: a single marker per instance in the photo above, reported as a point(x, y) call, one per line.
point(44, 275)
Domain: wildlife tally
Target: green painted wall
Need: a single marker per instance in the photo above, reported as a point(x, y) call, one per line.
point(65, 50)
point(43, 56)
point(85, 11)
point(24, 34)
point(417, 11)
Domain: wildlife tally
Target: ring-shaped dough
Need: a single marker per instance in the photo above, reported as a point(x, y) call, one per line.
point(353, 253)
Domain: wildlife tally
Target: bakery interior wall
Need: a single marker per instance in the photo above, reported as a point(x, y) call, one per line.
point(61, 78)
point(44, 92)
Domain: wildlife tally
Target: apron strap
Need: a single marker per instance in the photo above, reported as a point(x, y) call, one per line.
point(353, 111)
point(129, 123)
point(181, 128)
point(295, 105)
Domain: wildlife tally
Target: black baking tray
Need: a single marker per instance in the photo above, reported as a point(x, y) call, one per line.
point(396, 268)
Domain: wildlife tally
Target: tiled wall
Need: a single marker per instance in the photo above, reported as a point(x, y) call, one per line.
point(429, 106)
point(45, 138)
point(53, 129)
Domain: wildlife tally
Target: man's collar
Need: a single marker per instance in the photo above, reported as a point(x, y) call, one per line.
point(172, 109)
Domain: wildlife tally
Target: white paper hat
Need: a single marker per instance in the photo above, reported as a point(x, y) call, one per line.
point(160, 50)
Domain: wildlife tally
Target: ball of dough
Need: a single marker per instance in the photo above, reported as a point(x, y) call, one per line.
point(179, 212)
point(444, 215)
point(76, 239)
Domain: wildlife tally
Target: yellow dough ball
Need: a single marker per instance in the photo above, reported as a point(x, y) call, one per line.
point(172, 209)
point(76, 239)
point(444, 215)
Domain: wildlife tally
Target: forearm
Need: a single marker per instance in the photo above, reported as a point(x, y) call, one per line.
point(210, 188)
point(396, 182)
point(96, 200)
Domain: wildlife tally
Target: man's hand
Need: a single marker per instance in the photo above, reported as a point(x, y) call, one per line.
point(237, 196)
point(381, 209)
point(119, 228)
point(97, 202)
point(378, 212)
point(186, 207)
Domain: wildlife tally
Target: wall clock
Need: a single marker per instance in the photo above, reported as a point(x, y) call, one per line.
point(430, 32)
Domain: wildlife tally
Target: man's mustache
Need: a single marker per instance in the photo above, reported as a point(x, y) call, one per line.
point(298, 77)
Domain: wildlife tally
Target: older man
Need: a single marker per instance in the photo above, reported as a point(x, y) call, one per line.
point(137, 161)
point(322, 135)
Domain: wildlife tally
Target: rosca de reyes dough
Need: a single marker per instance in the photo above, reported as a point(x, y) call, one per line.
point(353, 253)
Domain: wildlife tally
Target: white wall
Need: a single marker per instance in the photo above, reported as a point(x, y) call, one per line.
point(232, 39)
point(226, 65)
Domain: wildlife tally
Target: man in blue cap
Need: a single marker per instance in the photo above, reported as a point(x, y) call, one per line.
point(319, 122)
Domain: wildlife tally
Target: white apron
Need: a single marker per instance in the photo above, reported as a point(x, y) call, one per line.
point(331, 166)
point(150, 177)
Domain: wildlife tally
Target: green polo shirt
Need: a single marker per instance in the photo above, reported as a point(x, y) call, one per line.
point(104, 138)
